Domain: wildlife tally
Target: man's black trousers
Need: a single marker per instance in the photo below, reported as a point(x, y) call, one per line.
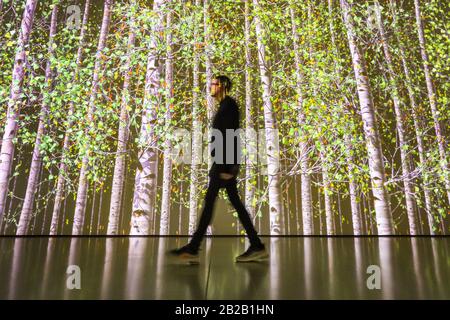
point(215, 184)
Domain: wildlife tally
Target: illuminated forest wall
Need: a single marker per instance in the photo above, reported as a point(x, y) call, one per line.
point(345, 105)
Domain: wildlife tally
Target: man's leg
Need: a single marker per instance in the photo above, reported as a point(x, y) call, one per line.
point(243, 214)
point(206, 216)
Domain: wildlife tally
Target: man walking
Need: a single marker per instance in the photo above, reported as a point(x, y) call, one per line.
point(223, 174)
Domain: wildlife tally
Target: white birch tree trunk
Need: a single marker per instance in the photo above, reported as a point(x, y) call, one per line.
point(209, 75)
point(432, 99)
point(331, 230)
point(145, 186)
point(250, 138)
point(81, 201)
point(373, 143)
point(123, 135)
point(60, 185)
point(15, 101)
point(418, 128)
point(36, 161)
point(305, 176)
point(167, 171)
point(353, 187)
point(401, 130)
point(271, 133)
point(197, 130)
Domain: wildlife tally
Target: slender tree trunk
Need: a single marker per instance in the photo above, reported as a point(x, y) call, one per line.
point(9, 205)
point(418, 128)
point(123, 135)
point(99, 219)
point(331, 230)
point(197, 130)
point(180, 209)
point(432, 99)
point(209, 75)
point(401, 130)
point(91, 224)
point(297, 224)
point(251, 147)
point(353, 188)
point(375, 156)
point(80, 206)
point(167, 171)
point(15, 101)
point(36, 161)
point(305, 175)
point(271, 132)
point(144, 198)
point(60, 185)
point(38, 192)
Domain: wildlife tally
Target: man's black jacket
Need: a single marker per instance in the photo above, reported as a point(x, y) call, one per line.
point(226, 117)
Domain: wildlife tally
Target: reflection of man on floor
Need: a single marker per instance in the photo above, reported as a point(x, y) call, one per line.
point(223, 174)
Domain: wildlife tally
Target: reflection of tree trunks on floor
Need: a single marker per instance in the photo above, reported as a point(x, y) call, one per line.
point(160, 284)
point(17, 275)
point(308, 258)
point(417, 265)
point(108, 276)
point(49, 266)
point(333, 273)
point(74, 259)
point(275, 268)
point(135, 267)
point(437, 266)
point(359, 271)
point(386, 254)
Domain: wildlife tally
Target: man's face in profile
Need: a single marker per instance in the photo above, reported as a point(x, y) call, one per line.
point(216, 88)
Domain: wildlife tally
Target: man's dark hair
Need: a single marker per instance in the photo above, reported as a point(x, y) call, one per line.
point(225, 82)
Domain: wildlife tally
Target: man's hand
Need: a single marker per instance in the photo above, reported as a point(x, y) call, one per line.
point(226, 176)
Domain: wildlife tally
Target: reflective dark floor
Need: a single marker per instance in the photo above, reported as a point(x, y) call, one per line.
point(298, 268)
